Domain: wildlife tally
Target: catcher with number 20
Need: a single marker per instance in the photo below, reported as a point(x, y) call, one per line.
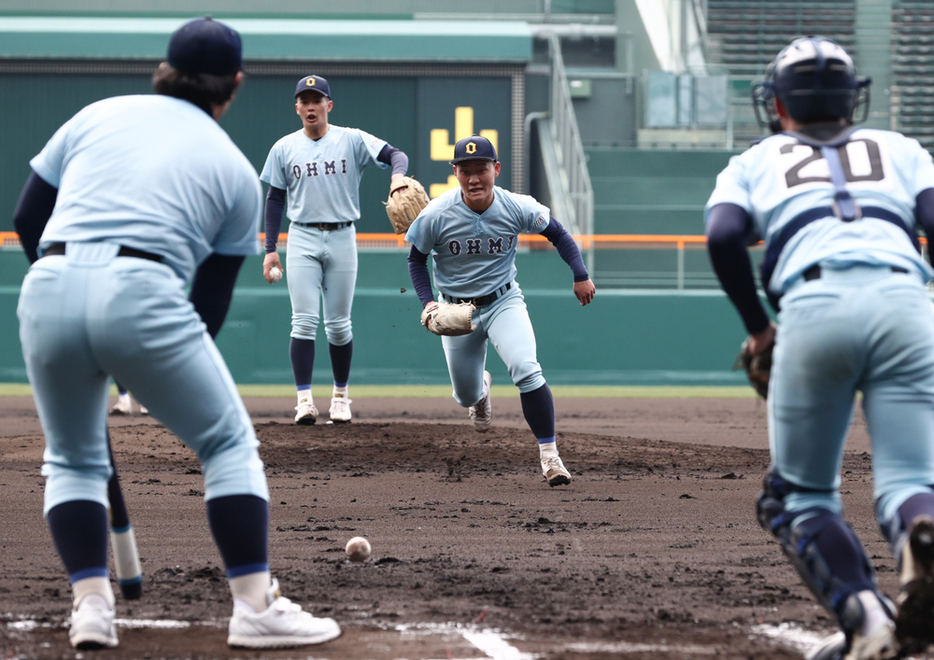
point(471, 232)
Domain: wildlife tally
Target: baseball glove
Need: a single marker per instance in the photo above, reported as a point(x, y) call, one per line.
point(449, 319)
point(405, 205)
point(758, 367)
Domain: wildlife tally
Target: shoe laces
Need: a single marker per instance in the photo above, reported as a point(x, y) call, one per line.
point(552, 462)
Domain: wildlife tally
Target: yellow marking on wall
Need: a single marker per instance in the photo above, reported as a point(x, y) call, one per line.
point(436, 189)
point(442, 147)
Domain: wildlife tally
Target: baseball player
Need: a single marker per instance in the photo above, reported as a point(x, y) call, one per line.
point(838, 207)
point(124, 404)
point(316, 173)
point(128, 200)
point(471, 232)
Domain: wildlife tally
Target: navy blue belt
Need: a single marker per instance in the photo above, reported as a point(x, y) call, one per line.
point(59, 248)
point(814, 272)
point(480, 301)
point(323, 226)
point(774, 248)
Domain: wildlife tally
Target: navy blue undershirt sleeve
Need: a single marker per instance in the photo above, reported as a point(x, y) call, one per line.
point(567, 248)
point(728, 227)
point(421, 280)
point(33, 210)
point(275, 205)
point(924, 214)
point(395, 158)
point(212, 289)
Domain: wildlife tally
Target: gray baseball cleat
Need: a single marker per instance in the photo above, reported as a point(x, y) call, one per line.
point(554, 471)
point(306, 413)
point(482, 413)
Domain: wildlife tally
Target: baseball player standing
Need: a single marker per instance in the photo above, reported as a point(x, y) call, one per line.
point(471, 233)
point(129, 199)
point(838, 207)
point(318, 170)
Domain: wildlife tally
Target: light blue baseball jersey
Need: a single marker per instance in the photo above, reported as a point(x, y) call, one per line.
point(475, 254)
point(780, 178)
point(322, 176)
point(210, 201)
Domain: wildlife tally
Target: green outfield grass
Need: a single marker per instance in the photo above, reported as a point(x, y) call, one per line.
point(499, 391)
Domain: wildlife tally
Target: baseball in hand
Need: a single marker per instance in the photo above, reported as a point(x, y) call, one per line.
point(357, 549)
point(275, 274)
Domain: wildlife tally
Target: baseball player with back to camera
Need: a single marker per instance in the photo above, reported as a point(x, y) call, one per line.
point(317, 170)
point(838, 207)
point(471, 233)
point(127, 201)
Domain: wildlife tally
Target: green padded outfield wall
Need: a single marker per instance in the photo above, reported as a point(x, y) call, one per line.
point(625, 337)
point(403, 110)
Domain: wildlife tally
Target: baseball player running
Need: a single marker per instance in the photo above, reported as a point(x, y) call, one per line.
point(838, 207)
point(124, 404)
point(318, 169)
point(128, 200)
point(471, 233)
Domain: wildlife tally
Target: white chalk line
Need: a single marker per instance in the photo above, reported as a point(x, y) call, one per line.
point(494, 643)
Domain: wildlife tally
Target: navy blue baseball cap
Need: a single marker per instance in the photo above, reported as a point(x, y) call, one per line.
point(206, 46)
point(473, 148)
point(313, 84)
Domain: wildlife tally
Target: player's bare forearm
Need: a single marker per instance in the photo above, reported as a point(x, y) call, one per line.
point(585, 291)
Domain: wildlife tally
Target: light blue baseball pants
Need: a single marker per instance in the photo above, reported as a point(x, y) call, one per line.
point(90, 314)
point(865, 329)
point(507, 326)
point(322, 264)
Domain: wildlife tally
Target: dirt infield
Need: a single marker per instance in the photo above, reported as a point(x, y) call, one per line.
point(651, 552)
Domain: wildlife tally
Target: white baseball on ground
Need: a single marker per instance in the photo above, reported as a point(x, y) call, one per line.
point(358, 549)
point(275, 274)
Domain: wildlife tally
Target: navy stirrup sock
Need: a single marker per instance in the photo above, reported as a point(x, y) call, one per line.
point(538, 406)
point(302, 356)
point(240, 525)
point(79, 530)
point(340, 362)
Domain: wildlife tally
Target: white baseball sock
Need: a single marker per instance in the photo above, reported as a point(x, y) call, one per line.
point(250, 589)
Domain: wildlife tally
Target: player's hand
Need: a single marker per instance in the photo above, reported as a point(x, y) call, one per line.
point(396, 177)
point(271, 259)
point(585, 291)
point(762, 341)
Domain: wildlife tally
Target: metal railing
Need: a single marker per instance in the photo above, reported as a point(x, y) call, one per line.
point(572, 161)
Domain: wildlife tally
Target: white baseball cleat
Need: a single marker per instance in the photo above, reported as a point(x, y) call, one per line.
point(482, 413)
point(282, 624)
point(123, 406)
point(92, 624)
point(340, 410)
point(554, 471)
point(306, 413)
point(143, 410)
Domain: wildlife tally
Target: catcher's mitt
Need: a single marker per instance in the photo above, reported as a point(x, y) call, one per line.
point(449, 319)
point(405, 205)
point(758, 367)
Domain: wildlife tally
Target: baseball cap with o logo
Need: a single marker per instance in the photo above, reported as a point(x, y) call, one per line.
point(313, 84)
point(474, 147)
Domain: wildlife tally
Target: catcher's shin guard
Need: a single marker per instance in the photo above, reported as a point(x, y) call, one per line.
point(823, 549)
